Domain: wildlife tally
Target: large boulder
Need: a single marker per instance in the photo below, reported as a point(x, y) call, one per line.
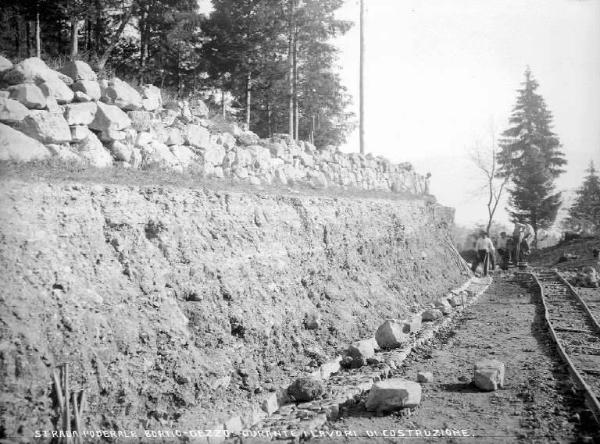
point(152, 99)
point(91, 88)
point(5, 65)
point(173, 136)
point(305, 389)
point(247, 138)
point(55, 87)
point(92, 150)
point(122, 95)
point(79, 70)
point(196, 135)
point(214, 154)
point(390, 334)
point(80, 113)
point(140, 120)
point(64, 152)
point(488, 374)
point(29, 95)
point(46, 127)
point(109, 117)
point(158, 154)
point(30, 70)
point(199, 108)
point(81, 97)
point(121, 151)
point(14, 145)
point(184, 155)
point(393, 394)
point(79, 132)
point(261, 157)
point(359, 352)
point(12, 111)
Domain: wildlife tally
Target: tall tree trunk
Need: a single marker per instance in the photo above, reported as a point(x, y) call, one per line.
point(74, 37)
point(362, 78)
point(143, 43)
point(295, 72)
point(291, 69)
point(28, 37)
point(248, 99)
point(38, 39)
point(18, 35)
point(223, 102)
point(269, 123)
point(115, 39)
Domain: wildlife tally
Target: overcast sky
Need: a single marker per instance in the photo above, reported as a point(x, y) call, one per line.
point(440, 73)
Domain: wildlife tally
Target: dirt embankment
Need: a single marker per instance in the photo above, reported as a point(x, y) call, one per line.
point(178, 306)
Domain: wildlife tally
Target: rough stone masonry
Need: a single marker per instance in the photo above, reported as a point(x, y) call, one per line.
point(74, 116)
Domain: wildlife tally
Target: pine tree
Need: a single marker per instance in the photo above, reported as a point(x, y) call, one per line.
point(584, 214)
point(530, 156)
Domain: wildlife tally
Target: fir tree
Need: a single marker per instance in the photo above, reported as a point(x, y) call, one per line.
point(584, 214)
point(530, 156)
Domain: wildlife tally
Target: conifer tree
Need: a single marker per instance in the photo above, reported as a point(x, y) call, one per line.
point(530, 156)
point(584, 214)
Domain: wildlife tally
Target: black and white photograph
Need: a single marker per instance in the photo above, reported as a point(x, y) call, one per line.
point(263, 221)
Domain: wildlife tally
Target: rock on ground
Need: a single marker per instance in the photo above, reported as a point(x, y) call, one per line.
point(12, 111)
point(29, 95)
point(393, 394)
point(80, 113)
point(488, 374)
point(424, 377)
point(109, 117)
point(359, 352)
point(56, 88)
point(94, 152)
point(305, 389)
point(432, 314)
point(122, 95)
point(390, 334)
point(46, 127)
point(79, 70)
point(14, 145)
point(91, 88)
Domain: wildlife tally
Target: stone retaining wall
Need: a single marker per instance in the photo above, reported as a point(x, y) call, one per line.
point(74, 116)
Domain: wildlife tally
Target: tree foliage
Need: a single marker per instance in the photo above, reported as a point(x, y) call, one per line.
point(531, 158)
point(243, 48)
point(584, 214)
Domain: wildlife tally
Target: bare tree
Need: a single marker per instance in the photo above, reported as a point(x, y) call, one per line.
point(484, 157)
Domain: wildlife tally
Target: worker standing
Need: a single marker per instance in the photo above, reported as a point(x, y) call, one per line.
point(484, 248)
point(502, 247)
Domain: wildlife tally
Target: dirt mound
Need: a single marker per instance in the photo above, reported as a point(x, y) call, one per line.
point(176, 307)
point(570, 255)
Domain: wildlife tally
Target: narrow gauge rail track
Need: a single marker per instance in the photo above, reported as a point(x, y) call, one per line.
point(575, 331)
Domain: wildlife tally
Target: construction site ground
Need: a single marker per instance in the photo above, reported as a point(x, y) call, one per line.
point(538, 403)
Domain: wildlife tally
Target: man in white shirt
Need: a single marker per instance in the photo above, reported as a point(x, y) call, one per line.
point(484, 248)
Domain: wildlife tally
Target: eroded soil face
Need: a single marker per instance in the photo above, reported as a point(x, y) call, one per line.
point(537, 404)
point(177, 307)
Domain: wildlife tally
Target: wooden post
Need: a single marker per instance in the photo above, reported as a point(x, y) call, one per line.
point(362, 78)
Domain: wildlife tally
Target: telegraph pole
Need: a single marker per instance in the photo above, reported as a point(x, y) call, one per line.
point(362, 78)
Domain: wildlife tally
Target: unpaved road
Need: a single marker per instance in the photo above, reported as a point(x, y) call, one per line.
point(537, 404)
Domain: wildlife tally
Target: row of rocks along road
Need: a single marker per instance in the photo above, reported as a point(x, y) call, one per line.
point(538, 403)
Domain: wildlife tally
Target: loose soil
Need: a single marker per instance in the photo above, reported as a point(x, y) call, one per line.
point(538, 403)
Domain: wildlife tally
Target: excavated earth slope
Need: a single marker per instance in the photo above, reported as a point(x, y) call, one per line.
point(178, 306)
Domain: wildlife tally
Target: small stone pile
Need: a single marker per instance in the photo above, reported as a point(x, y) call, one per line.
point(73, 115)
